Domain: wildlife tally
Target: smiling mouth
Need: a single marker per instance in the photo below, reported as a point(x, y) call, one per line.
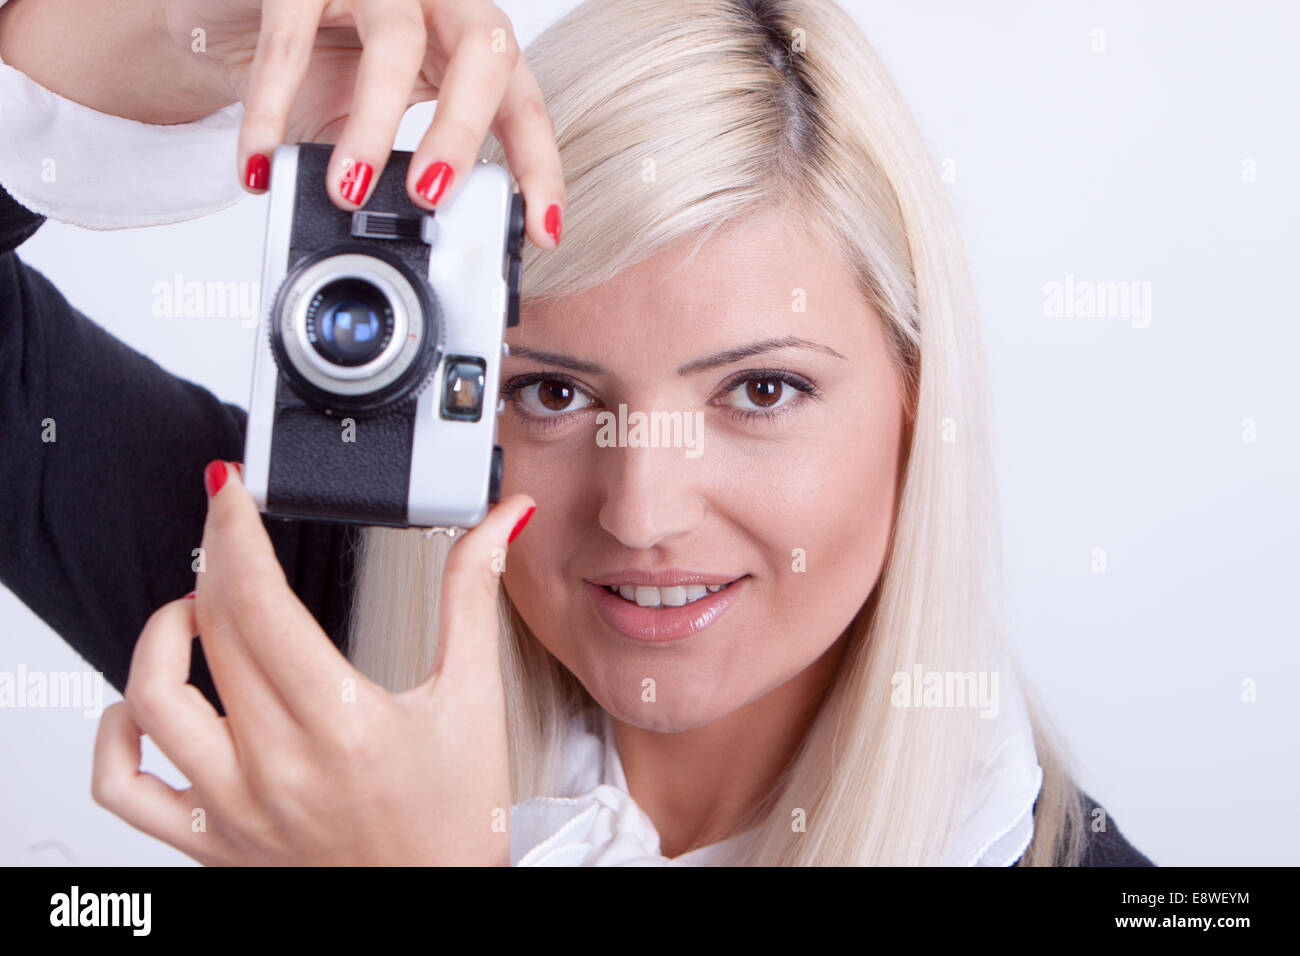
point(664, 615)
point(677, 596)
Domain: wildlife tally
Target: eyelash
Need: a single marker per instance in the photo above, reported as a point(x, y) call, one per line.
point(743, 415)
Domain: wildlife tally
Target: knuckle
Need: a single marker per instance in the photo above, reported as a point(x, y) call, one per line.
point(285, 777)
point(260, 117)
point(533, 112)
point(349, 741)
point(105, 789)
point(501, 32)
point(465, 136)
point(155, 621)
point(404, 28)
point(145, 703)
point(284, 44)
point(472, 580)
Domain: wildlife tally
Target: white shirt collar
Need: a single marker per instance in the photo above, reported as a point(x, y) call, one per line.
point(601, 825)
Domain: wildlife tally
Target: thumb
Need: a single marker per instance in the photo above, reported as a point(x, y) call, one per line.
point(469, 624)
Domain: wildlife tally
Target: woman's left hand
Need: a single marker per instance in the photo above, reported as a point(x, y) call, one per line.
point(314, 764)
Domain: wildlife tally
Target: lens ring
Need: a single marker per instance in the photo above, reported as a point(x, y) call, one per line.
point(411, 346)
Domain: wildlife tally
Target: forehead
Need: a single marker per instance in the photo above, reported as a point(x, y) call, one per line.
point(762, 274)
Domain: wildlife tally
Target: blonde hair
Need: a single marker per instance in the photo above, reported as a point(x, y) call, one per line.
point(675, 118)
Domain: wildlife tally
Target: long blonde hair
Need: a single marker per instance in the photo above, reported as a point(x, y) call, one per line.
point(673, 119)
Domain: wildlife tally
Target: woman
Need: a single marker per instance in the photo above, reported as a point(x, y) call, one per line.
point(777, 646)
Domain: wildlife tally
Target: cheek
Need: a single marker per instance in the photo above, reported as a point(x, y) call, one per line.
point(827, 529)
point(537, 559)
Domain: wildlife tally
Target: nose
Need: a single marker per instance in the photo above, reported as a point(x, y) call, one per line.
point(651, 495)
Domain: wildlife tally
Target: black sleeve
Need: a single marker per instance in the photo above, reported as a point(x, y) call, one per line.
point(1107, 847)
point(101, 461)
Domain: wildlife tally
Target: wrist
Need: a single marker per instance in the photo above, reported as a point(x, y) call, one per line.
point(114, 56)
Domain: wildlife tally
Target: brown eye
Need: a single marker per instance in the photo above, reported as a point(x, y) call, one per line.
point(551, 396)
point(555, 396)
point(764, 392)
point(761, 393)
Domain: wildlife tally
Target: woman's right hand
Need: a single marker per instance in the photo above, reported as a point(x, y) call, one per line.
point(313, 763)
point(345, 71)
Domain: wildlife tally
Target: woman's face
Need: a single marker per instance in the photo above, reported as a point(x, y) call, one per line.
point(782, 479)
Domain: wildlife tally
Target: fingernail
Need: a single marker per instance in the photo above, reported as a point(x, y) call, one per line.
point(257, 172)
point(190, 595)
point(214, 476)
point(356, 181)
point(522, 521)
point(239, 468)
point(434, 182)
point(553, 222)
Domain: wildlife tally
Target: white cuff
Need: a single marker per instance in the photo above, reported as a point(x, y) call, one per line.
point(80, 166)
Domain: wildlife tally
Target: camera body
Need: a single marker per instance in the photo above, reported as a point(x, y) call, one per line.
point(378, 357)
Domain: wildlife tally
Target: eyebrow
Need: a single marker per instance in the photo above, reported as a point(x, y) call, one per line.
point(716, 360)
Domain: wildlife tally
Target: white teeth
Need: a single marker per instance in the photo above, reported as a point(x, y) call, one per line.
point(675, 596)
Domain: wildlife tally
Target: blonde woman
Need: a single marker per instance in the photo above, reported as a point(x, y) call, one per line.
point(773, 640)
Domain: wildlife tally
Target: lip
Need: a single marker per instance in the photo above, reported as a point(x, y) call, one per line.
point(661, 625)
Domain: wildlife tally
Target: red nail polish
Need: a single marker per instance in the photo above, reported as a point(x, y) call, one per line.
point(356, 181)
point(214, 476)
point(239, 468)
point(522, 521)
point(434, 182)
point(257, 172)
point(190, 595)
point(553, 222)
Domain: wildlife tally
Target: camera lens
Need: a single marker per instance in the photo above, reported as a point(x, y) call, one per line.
point(349, 321)
point(355, 328)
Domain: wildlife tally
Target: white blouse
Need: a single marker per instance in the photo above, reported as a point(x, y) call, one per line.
point(79, 166)
point(600, 824)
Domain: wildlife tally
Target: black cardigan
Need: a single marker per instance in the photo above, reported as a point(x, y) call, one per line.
point(98, 526)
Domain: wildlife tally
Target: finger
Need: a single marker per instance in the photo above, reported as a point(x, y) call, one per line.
point(284, 47)
point(117, 784)
point(527, 135)
point(172, 711)
point(245, 606)
point(394, 38)
point(471, 582)
point(483, 57)
point(255, 710)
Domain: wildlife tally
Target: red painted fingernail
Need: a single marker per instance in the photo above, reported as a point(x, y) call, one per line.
point(257, 172)
point(214, 476)
point(553, 222)
point(190, 595)
point(522, 521)
point(239, 468)
point(356, 181)
point(434, 182)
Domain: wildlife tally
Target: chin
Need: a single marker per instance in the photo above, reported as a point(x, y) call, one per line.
point(695, 708)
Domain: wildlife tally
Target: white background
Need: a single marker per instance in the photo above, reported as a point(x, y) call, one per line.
point(1123, 165)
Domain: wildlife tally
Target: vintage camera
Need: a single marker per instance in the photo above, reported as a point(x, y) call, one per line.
point(377, 367)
